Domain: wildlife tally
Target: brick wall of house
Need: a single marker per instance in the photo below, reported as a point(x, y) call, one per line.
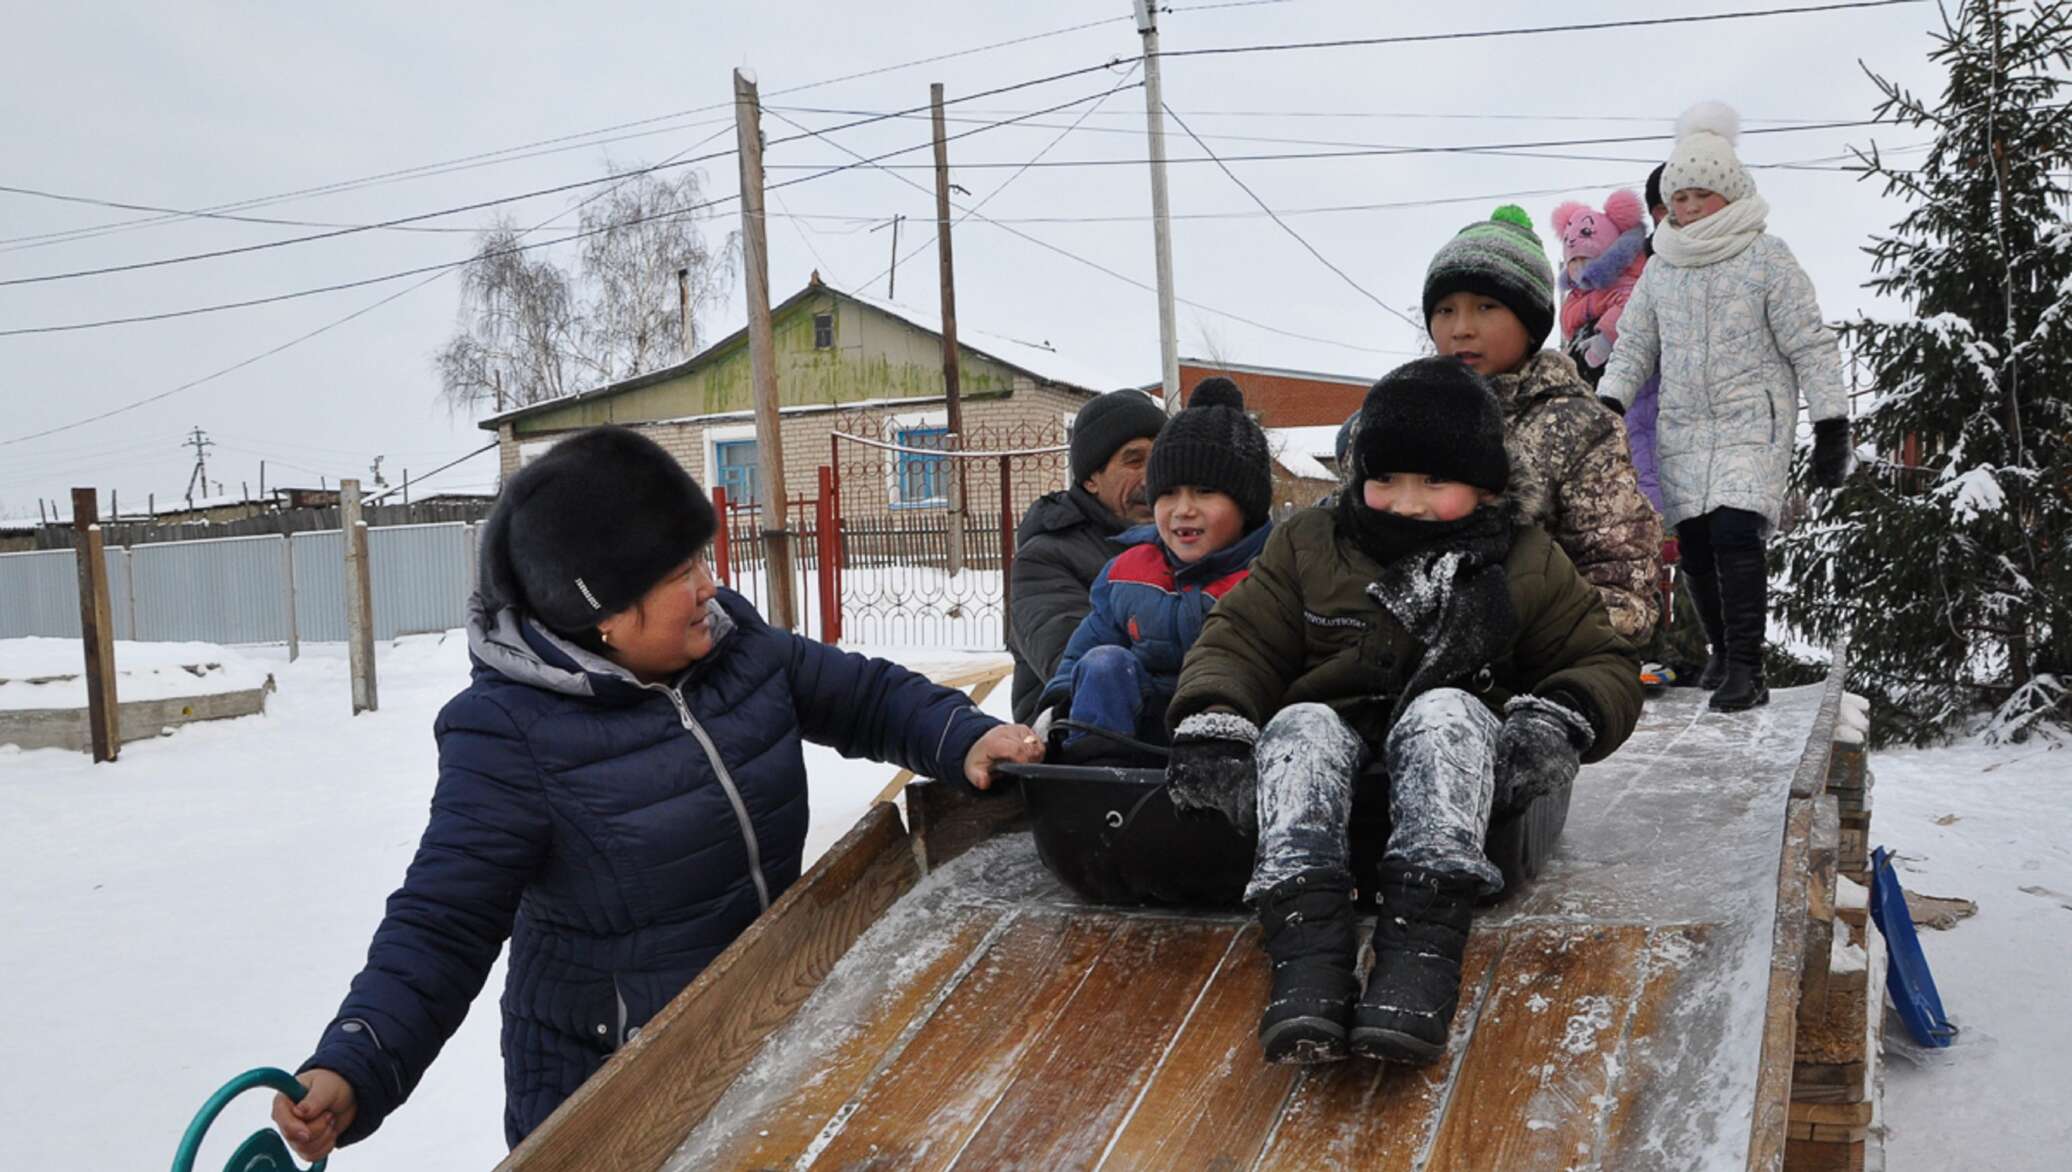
point(1288, 399)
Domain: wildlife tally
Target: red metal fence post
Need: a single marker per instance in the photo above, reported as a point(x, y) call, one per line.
point(1006, 552)
point(824, 529)
point(720, 537)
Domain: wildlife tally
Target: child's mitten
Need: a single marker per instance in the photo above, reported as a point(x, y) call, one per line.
point(1538, 749)
point(1210, 767)
point(1830, 452)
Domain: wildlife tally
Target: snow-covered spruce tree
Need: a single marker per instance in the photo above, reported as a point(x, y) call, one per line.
point(1947, 558)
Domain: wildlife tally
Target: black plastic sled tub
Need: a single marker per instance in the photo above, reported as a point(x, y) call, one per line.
point(1113, 836)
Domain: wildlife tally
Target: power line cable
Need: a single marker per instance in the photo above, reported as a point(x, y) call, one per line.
point(1539, 30)
point(1326, 261)
point(1126, 279)
point(444, 266)
point(332, 234)
point(490, 157)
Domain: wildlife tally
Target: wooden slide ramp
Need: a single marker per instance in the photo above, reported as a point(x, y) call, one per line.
point(933, 999)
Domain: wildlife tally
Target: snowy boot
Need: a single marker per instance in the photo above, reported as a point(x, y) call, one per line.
point(1744, 594)
point(1705, 593)
point(1420, 933)
point(1308, 924)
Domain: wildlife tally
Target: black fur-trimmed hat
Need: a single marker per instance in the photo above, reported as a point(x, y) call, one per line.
point(1433, 416)
point(1214, 444)
point(584, 531)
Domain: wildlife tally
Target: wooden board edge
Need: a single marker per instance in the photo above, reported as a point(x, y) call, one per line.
point(1772, 1108)
point(950, 817)
point(1810, 778)
point(874, 860)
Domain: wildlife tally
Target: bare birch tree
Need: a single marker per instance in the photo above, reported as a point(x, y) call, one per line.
point(530, 330)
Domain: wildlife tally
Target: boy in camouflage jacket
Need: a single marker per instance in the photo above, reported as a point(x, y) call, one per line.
point(1419, 622)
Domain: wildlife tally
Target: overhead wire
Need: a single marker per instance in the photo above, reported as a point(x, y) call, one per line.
point(1123, 277)
point(820, 172)
point(1326, 261)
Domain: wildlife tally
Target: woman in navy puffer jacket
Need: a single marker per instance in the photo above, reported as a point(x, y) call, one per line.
point(621, 790)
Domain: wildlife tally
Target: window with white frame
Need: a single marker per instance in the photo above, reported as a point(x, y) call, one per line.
point(731, 463)
point(919, 479)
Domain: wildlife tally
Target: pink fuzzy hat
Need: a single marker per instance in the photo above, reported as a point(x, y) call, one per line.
point(1586, 232)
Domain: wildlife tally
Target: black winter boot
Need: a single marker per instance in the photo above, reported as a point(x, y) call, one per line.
point(1744, 591)
point(1419, 936)
point(1705, 592)
point(1308, 922)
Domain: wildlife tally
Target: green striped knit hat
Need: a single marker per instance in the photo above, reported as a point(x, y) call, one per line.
point(1499, 257)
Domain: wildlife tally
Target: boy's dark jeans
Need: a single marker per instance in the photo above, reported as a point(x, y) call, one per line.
point(1109, 689)
point(1723, 557)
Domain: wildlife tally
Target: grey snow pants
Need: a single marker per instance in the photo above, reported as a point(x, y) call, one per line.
point(1441, 758)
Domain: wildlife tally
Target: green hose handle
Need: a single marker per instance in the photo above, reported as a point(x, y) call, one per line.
point(265, 1149)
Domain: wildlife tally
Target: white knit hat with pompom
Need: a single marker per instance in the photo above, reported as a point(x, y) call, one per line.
point(1704, 154)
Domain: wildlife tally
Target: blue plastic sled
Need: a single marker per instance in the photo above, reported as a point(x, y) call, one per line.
point(1906, 977)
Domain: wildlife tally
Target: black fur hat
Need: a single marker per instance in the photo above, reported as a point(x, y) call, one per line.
point(1433, 416)
point(1107, 422)
point(588, 528)
point(1214, 444)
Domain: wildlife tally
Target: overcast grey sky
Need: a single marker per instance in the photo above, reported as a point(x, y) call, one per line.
point(189, 106)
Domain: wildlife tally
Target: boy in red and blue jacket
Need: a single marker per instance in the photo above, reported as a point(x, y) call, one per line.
point(1211, 482)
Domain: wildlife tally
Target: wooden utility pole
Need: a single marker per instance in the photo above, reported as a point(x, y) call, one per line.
point(892, 270)
point(952, 398)
point(762, 353)
point(359, 599)
point(683, 308)
point(1161, 221)
point(96, 627)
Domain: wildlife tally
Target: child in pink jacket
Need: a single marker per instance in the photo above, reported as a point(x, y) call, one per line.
point(1603, 252)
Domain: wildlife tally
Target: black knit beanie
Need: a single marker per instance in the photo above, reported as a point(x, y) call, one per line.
point(584, 531)
point(1654, 192)
point(1500, 257)
point(1106, 423)
point(1433, 416)
point(1214, 444)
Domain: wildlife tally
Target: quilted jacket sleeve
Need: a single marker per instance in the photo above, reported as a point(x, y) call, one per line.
point(1098, 629)
point(1048, 601)
point(1639, 346)
point(489, 831)
point(880, 711)
point(1803, 336)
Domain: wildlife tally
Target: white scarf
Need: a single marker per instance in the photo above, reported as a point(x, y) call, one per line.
point(1719, 236)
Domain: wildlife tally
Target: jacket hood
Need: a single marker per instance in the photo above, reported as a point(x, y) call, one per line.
point(513, 644)
point(1548, 374)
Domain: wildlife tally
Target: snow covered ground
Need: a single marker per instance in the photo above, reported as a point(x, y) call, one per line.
point(49, 673)
point(197, 908)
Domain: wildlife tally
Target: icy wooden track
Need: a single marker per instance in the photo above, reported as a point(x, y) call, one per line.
point(1631, 1009)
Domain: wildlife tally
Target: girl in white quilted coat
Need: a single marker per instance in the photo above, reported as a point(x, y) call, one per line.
point(1731, 319)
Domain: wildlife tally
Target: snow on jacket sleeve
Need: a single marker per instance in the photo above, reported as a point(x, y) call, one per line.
point(1567, 647)
point(1639, 346)
point(1803, 336)
point(487, 834)
point(1098, 629)
point(878, 710)
point(1253, 644)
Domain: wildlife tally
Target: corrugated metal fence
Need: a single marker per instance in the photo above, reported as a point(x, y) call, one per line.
point(271, 589)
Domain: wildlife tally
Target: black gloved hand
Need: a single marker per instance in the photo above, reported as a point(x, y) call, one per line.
point(1210, 768)
point(1831, 454)
point(1538, 750)
point(1617, 408)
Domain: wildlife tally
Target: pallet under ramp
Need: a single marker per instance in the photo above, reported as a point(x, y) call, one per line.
point(931, 999)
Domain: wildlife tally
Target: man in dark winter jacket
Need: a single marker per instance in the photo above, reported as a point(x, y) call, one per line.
point(1064, 541)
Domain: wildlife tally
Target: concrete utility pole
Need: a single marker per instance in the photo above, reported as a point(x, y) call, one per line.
point(359, 599)
point(1161, 220)
point(96, 628)
point(951, 392)
point(762, 352)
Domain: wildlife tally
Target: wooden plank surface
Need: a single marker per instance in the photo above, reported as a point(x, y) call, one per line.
point(1540, 1070)
point(1372, 1115)
point(634, 1112)
point(1780, 1019)
point(786, 1124)
point(1628, 1140)
point(1216, 1097)
point(1077, 1084)
point(920, 1114)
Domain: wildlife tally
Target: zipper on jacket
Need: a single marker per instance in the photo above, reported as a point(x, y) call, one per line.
point(619, 996)
point(726, 781)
